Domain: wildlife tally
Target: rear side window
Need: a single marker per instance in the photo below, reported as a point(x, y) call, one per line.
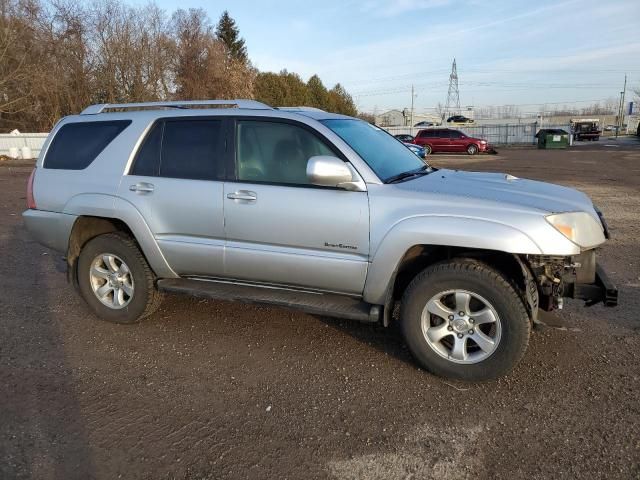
point(148, 159)
point(190, 149)
point(426, 134)
point(76, 145)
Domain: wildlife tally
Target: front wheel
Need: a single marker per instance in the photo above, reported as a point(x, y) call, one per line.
point(472, 149)
point(463, 320)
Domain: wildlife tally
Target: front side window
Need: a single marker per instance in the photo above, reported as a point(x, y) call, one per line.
point(78, 144)
point(386, 157)
point(275, 152)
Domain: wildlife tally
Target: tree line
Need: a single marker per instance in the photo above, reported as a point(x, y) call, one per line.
point(58, 56)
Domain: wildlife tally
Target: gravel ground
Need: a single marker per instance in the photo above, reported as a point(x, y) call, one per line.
point(217, 390)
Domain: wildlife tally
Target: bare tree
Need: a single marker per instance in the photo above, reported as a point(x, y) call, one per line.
point(202, 67)
point(14, 64)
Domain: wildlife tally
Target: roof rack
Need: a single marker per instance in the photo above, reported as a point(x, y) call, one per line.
point(300, 109)
point(184, 104)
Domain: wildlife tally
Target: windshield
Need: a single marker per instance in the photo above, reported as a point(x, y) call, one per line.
point(386, 156)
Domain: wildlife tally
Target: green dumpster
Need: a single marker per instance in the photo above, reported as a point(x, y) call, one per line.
point(552, 138)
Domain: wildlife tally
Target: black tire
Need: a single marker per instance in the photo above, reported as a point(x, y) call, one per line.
point(427, 150)
point(472, 149)
point(481, 280)
point(145, 298)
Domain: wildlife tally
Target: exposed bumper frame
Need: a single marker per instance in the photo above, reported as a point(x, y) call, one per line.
point(603, 290)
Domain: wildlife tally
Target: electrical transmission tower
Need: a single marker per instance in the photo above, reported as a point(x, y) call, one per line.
point(453, 97)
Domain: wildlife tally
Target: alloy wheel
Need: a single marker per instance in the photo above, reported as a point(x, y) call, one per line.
point(461, 326)
point(111, 280)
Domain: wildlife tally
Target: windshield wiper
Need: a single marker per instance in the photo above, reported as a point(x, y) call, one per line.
point(423, 170)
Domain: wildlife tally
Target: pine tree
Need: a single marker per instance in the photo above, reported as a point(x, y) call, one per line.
point(318, 94)
point(228, 33)
point(341, 102)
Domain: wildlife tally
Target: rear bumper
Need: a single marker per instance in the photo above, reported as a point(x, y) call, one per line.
point(51, 229)
point(602, 290)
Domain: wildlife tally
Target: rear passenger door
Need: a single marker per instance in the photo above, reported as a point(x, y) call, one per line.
point(457, 143)
point(440, 140)
point(176, 182)
point(283, 230)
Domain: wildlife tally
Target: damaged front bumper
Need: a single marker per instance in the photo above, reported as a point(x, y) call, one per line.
point(602, 290)
point(578, 277)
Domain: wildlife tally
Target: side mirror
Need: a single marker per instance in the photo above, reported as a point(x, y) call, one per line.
point(327, 171)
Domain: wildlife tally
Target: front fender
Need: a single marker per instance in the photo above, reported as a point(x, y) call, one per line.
point(108, 206)
point(438, 230)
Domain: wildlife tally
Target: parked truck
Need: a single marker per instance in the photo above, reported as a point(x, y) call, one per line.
point(586, 129)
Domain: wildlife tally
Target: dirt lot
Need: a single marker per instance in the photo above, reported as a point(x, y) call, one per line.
point(217, 390)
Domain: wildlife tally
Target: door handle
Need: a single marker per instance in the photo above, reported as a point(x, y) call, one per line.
point(246, 195)
point(142, 187)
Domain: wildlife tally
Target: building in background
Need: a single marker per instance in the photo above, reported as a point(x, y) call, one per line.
point(402, 118)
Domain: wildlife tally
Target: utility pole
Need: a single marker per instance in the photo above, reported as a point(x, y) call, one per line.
point(413, 96)
point(621, 107)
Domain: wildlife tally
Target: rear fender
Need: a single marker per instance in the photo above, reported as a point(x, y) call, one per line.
point(108, 206)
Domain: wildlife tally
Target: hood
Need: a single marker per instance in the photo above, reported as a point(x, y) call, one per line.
point(503, 189)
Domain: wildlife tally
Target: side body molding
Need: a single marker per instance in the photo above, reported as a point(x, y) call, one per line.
point(438, 230)
point(108, 206)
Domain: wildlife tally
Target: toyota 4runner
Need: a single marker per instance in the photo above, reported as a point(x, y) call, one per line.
point(297, 207)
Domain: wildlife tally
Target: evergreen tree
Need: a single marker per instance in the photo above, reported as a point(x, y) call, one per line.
point(228, 33)
point(318, 95)
point(341, 102)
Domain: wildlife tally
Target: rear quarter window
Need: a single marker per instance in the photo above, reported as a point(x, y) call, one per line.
point(76, 145)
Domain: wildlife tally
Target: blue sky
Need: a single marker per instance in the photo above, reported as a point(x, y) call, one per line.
point(508, 52)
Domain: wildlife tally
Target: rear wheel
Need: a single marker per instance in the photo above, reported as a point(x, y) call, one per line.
point(115, 279)
point(463, 320)
point(472, 149)
point(427, 150)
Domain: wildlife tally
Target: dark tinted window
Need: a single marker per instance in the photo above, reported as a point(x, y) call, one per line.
point(148, 158)
point(76, 145)
point(192, 149)
point(427, 134)
point(440, 134)
point(455, 134)
point(276, 152)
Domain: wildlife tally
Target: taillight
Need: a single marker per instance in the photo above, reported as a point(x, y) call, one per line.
point(31, 202)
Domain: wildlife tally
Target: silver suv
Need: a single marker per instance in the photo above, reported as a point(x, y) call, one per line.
point(297, 207)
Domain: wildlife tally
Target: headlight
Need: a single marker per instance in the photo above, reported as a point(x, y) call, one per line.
point(483, 141)
point(579, 227)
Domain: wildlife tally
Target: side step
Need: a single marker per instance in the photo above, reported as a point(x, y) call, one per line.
point(331, 305)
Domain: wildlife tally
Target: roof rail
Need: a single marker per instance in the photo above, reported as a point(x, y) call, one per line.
point(300, 109)
point(184, 104)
